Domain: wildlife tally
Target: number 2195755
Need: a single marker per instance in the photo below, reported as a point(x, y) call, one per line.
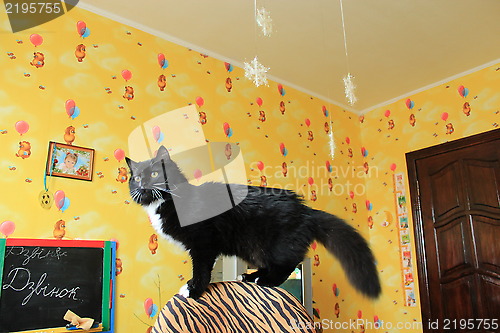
point(33, 8)
point(471, 324)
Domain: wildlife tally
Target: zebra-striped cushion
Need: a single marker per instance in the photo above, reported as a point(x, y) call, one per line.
point(235, 307)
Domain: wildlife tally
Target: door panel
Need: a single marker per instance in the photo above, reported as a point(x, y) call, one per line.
point(458, 292)
point(488, 249)
point(450, 198)
point(455, 193)
point(490, 288)
point(452, 254)
point(483, 182)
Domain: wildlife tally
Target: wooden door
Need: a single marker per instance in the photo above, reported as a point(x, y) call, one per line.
point(455, 191)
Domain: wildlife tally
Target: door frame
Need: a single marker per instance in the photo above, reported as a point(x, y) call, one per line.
point(411, 162)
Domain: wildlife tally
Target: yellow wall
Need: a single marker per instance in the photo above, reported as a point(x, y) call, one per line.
point(101, 209)
point(388, 144)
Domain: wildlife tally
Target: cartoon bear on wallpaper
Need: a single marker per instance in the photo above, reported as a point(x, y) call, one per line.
point(466, 109)
point(129, 93)
point(413, 120)
point(330, 184)
point(203, 117)
point(349, 152)
point(263, 181)
point(354, 208)
point(24, 149)
point(38, 60)
point(122, 175)
point(390, 124)
point(69, 135)
point(229, 84)
point(310, 135)
point(262, 116)
point(80, 52)
point(162, 82)
point(59, 229)
point(449, 128)
point(314, 196)
point(282, 107)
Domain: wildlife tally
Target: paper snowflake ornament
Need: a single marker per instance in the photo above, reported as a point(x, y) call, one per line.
point(264, 21)
point(332, 145)
point(349, 89)
point(256, 72)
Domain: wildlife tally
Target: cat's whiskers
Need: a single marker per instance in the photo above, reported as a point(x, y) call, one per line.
point(156, 193)
point(171, 193)
point(136, 195)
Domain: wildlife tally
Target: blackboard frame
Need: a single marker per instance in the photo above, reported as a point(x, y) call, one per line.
point(108, 269)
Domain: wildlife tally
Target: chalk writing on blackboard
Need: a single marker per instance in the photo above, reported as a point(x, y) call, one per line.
point(19, 280)
point(36, 253)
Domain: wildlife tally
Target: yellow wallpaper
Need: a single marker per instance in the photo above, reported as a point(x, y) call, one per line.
point(456, 109)
point(272, 126)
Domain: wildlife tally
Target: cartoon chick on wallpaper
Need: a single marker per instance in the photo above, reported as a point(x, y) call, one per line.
point(228, 151)
point(229, 84)
point(80, 52)
point(69, 135)
point(59, 229)
point(162, 82)
point(153, 243)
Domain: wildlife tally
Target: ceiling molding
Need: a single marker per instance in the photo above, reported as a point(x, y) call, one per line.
point(175, 40)
point(460, 8)
point(432, 85)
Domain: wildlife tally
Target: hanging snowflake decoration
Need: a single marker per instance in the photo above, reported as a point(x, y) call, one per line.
point(332, 145)
point(349, 89)
point(256, 72)
point(264, 21)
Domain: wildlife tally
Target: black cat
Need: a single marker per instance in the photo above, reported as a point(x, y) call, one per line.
point(269, 228)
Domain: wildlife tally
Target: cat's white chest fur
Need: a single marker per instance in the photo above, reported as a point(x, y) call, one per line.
point(156, 222)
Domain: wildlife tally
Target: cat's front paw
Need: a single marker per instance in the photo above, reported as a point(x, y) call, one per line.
point(184, 291)
point(252, 277)
point(190, 291)
point(195, 291)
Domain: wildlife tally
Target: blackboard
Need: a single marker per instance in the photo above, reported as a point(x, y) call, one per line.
point(42, 279)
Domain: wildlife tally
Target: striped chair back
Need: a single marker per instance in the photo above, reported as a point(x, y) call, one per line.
point(235, 307)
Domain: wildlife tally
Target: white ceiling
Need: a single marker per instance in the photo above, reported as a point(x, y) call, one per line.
point(395, 47)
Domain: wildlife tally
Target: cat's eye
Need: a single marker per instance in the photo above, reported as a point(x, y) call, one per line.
point(154, 174)
point(137, 178)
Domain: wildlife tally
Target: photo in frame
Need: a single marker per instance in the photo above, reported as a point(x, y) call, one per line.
point(70, 161)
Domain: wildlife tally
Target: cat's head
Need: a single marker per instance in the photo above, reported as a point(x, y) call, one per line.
point(155, 179)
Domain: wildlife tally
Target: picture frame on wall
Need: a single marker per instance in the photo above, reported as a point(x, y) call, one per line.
point(70, 161)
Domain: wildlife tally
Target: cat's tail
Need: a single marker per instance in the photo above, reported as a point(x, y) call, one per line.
point(351, 249)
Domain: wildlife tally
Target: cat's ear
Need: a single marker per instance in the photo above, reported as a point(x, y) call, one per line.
point(163, 154)
point(129, 162)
